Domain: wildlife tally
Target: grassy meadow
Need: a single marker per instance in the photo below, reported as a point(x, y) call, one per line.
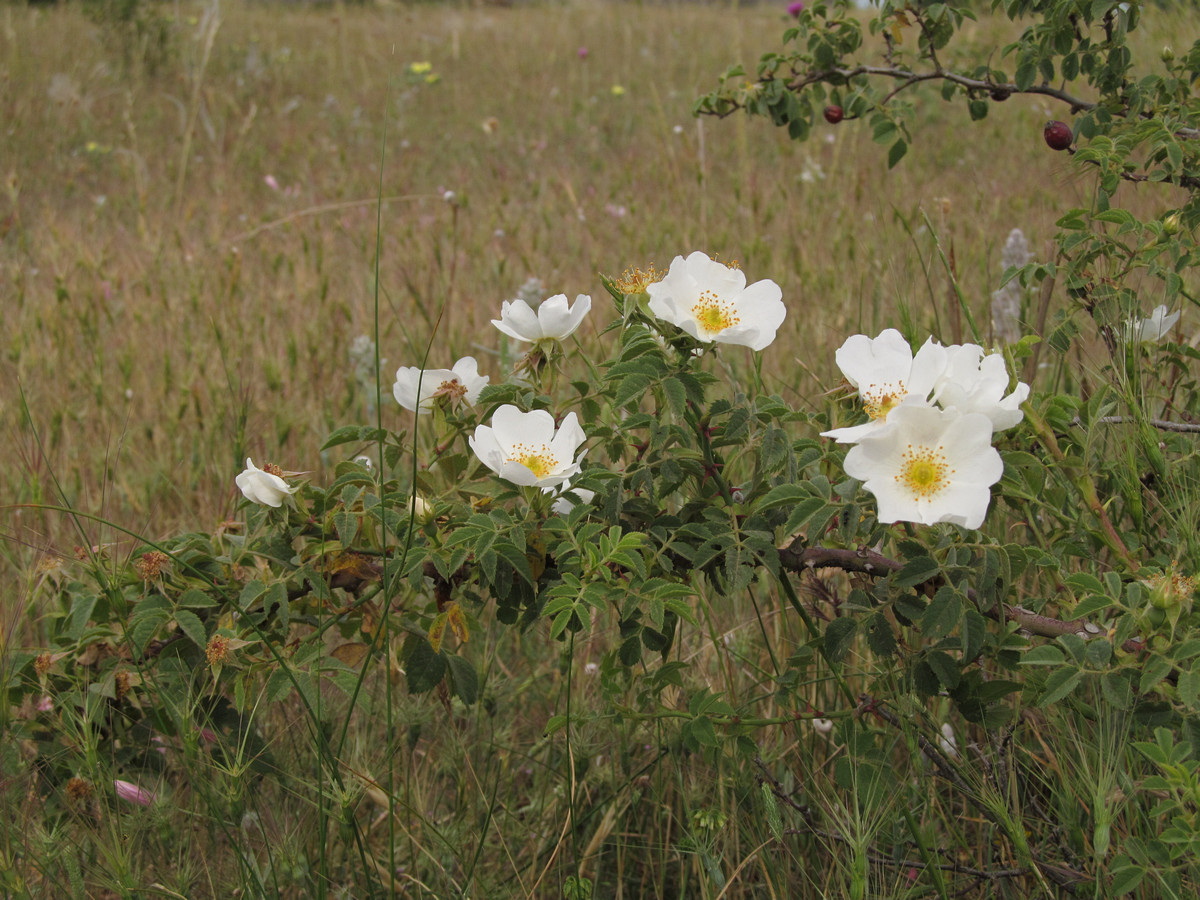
point(194, 235)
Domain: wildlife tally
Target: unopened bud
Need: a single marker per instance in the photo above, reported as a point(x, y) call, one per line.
point(1171, 224)
point(1167, 53)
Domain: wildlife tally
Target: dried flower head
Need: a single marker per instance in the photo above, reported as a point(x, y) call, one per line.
point(217, 651)
point(151, 565)
point(79, 790)
point(42, 664)
point(121, 683)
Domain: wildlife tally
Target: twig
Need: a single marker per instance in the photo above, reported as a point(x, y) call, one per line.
point(870, 562)
point(1160, 424)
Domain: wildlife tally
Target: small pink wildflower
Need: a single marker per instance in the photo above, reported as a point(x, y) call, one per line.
point(271, 182)
point(794, 9)
point(131, 793)
point(582, 52)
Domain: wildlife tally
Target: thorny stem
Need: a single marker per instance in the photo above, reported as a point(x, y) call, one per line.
point(871, 562)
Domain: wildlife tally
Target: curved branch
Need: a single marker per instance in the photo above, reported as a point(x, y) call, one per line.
point(870, 562)
point(909, 78)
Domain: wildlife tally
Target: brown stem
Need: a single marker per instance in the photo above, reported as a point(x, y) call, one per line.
point(870, 562)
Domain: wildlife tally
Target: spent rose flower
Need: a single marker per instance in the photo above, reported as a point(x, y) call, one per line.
point(554, 320)
point(711, 301)
point(1153, 328)
point(265, 487)
point(418, 390)
point(525, 449)
point(886, 374)
point(929, 465)
point(973, 382)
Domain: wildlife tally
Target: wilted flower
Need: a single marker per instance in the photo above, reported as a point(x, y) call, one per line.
point(418, 390)
point(554, 320)
point(263, 486)
point(1154, 327)
point(886, 374)
point(131, 793)
point(711, 302)
point(974, 383)
point(930, 465)
point(947, 741)
point(524, 448)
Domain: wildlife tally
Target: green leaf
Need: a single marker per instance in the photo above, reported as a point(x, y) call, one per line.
point(1043, 655)
point(464, 679)
point(81, 612)
point(190, 624)
point(880, 637)
point(703, 731)
point(943, 613)
point(838, 635)
point(1059, 685)
point(1116, 689)
point(896, 153)
point(279, 685)
point(946, 669)
point(1154, 670)
point(423, 667)
point(916, 571)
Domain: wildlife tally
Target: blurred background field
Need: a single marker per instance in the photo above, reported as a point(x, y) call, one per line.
point(192, 209)
point(189, 231)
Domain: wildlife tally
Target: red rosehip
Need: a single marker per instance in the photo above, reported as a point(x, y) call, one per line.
point(833, 114)
point(1058, 135)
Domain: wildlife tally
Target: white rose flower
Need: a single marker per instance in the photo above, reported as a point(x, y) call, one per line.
point(974, 383)
point(565, 495)
point(887, 374)
point(523, 447)
point(263, 487)
point(711, 302)
point(554, 320)
point(1153, 328)
point(418, 390)
point(929, 465)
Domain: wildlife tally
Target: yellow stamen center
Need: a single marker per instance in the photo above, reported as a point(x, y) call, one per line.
point(881, 399)
point(713, 314)
point(925, 472)
point(538, 460)
point(635, 281)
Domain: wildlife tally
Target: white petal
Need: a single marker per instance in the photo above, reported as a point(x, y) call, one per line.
point(512, 426)
point(723, 280)
point(467, 370)
point(518, 321)
point(865, 360)
point(483, 442)
point(558, 320)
